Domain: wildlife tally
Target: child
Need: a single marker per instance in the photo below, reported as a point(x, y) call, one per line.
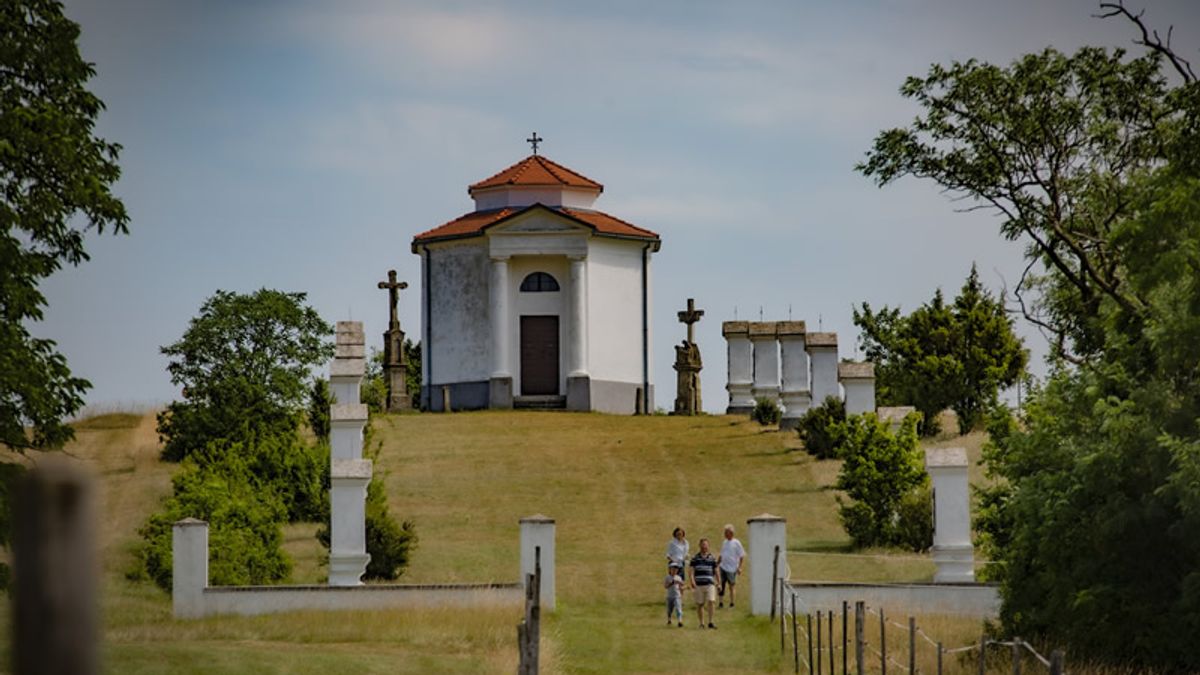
point(674, 585)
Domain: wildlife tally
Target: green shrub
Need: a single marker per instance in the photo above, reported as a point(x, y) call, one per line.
point(879, 471)
point(320, 398)
point(244, 538)
point(766, 411)
point(914, 519)
point(819, 428)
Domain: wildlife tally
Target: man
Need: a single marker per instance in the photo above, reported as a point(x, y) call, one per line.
point(704, 581)
point(730, 564)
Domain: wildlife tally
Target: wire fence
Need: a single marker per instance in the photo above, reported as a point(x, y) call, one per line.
point(862, 644)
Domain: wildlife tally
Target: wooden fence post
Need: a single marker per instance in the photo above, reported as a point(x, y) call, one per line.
point(845, 656)
point(775, 583)
point(1057, 657)
point(882, 643)
point(939, 652)
point(522, 650)
point(983, 643)
point(781, 613)
point(810, 649)
point(831, 669)
point(859, 610)
point(1016, 655)
point(818, 642)
point(912, 646)
point(795, 636)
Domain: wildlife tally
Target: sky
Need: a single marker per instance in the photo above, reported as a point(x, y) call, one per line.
point(300, 145)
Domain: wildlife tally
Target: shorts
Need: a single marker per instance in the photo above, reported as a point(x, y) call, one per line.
point(729, 578)
point(706, 594)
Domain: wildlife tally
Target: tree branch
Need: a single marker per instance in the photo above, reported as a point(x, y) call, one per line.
point(1150, 38)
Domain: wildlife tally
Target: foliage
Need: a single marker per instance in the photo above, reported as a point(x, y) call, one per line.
point(10, 473)
point(244, 535)
point(944, 356)
point(766, 411)
point(243, 363)
point(879, 471)
point(1090, 161)
point(54, 174)
point(320, 398)
point(412, 376)
point(373, 390)
point(820, 427)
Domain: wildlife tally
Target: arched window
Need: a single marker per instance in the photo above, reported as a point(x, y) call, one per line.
point(539, 282)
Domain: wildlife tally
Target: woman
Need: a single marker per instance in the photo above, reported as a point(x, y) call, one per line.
point(677, 551)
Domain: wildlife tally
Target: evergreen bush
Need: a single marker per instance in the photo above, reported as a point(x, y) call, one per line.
point(766, 411)
point(880, 473)
point(820, 428)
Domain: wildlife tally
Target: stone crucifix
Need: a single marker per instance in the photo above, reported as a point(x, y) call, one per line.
point(393, 287)
point(688, 364)
point(394, 367)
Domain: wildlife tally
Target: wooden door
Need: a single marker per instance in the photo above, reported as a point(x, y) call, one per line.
point(539, 355)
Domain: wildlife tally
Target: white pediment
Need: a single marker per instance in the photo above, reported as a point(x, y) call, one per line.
point(538, 221)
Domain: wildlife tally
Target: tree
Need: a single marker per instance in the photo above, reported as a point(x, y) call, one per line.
point(243, 364)
point(1090, 160)
point(56, 181)
point(944, 356)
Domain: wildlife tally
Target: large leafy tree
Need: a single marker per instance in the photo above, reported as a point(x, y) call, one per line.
point(56, 179)
point(243, 363)
point(1090, 160)
point(956, 355)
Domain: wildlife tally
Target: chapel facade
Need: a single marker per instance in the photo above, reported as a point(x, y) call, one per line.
point(536, 299)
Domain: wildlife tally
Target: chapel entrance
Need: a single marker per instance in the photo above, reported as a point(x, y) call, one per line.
point(539, 355)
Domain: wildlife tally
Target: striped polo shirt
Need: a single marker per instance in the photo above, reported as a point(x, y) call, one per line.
point(704, 569)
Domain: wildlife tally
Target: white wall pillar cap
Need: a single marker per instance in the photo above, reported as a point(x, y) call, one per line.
point(789, 328)
point(191, 522)
point(766, 518)
point(732, 328)
point(537, 518)
point(946, 458)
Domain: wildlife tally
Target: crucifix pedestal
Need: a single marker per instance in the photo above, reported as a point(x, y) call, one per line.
point(395, 368)
point(688, 365)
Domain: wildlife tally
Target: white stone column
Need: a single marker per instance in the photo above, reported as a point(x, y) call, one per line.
point(579, 389)
point(858, 381)
point(766, 533)
point(500, 392)
point(822, 352)
point(189, 567)
point(538, 532)
point(349, 473)
point(740, 370)
point(766, 360)
point(793, 390)
point(953, 552)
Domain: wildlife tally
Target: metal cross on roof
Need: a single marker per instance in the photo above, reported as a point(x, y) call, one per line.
point(534, 140)
point(691, 316)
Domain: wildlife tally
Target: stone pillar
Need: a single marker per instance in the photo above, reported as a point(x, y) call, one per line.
point(953, 552)
point(858, 381)
point(500, 394)
point(538, 531)
point(822, 352)
point(55, 602)
point(349, 473)
point(766, 360)
point(346, 371)
point(395, 371)
point(794, 390)
point(766, 532)
point(740, 373)
point(189, 567)
point(579, 390)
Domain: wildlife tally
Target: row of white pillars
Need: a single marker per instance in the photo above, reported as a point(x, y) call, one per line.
point(760, 351)
point(349, 472)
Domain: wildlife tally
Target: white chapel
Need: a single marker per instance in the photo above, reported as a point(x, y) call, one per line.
point(536, 299)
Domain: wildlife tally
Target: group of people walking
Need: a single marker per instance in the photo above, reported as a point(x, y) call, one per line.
point(710, 577)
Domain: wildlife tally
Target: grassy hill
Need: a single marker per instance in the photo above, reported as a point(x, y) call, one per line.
point(616, 486)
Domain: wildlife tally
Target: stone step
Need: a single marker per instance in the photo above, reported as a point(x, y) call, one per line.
point(540, 402)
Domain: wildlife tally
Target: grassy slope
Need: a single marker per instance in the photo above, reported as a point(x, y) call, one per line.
point(616, 487)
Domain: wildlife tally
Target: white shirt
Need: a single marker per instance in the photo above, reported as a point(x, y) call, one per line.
point(677, 550)
point(732, 554)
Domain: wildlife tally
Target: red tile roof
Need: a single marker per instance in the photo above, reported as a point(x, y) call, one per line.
point(473, 224)
point(537, 170)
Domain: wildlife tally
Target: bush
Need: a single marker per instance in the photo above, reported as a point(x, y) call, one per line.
point(879, 472)
point(245, 541)
point(766, 411)
point(819, 428)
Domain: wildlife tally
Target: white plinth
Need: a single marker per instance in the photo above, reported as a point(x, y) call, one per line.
point(766, 532)
point(794, 386)
point(766, 360)
point(189, 567)
point(953, 552)
point(538, 532)
point(822, 353)
point(347, 528)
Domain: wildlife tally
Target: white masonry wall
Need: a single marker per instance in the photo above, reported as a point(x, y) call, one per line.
point(615, 308)
point(458, 280)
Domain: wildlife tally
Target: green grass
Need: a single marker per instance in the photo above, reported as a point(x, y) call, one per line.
point(616, 486)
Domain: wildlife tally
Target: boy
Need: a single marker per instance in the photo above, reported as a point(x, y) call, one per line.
point(674, 585)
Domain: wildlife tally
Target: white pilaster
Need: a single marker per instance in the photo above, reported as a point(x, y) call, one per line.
point(822, 352)
point(537, 532)
point(953, 552)
point(767, 533)
point(499, 314)
point(349, 473)
point(740, 371)
point(858, 382)
point(793, 390)
point(189, 567)
point(766, 360)
point(578, 365)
